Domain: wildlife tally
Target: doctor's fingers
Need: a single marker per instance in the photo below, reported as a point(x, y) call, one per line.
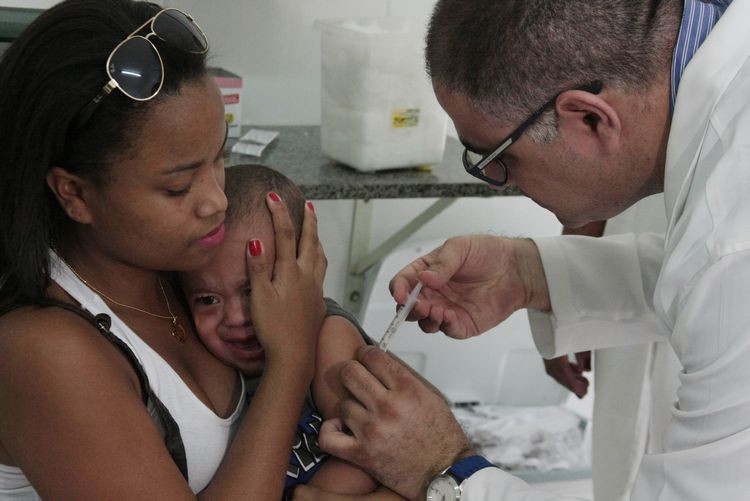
point(362, 384)
point(433, 269)
point(433, 320)
point(405, 280)
point(383, 374)
point(334, 439)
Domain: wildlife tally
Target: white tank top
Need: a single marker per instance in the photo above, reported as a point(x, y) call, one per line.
point(205, 435)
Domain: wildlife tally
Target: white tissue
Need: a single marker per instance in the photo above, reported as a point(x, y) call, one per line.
point(525, 438)
point(254, 142)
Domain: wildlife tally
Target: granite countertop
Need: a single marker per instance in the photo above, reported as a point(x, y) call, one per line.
point(296, 153)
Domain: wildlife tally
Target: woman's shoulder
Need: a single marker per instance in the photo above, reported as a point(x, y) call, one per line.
point(33, 324)
point(50, 341)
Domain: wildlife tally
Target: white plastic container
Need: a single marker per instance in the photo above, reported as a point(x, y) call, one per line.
point(378, 107)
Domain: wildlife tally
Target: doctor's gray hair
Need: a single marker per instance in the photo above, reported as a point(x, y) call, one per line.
point(508, 57)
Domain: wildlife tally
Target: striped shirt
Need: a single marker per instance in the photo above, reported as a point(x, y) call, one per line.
point(698, 18)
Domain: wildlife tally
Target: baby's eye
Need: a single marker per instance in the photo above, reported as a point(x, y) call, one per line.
point(247, 292)
point(206, 300)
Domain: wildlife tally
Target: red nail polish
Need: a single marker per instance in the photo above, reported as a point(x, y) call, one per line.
point(311, 206)
point(273, 196)
point(255, 247)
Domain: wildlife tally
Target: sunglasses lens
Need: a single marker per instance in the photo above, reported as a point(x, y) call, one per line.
point(136, 68)
point(178, 30)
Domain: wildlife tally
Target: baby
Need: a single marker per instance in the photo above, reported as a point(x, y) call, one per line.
point(218, 299)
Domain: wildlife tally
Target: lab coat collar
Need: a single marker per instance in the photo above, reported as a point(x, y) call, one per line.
point(706, 78)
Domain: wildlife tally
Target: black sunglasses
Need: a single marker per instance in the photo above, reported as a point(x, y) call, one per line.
point(474, 163)
point(135, 66)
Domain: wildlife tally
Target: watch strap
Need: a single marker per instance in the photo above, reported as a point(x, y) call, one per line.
point(466, 467)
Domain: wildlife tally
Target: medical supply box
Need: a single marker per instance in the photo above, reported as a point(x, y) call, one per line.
point(512, 411)
point(230, 85)
point(378, 109)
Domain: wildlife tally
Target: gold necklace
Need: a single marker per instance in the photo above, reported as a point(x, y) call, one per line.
point(177, 330)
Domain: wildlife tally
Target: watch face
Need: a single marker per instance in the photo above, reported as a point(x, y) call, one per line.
point(443, 488)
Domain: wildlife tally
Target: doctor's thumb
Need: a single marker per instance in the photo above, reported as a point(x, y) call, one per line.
point(442, 264)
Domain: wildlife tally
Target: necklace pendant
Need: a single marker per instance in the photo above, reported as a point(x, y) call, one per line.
point(178, 332)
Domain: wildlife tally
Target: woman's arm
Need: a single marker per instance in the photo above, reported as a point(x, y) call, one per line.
point(72, 416)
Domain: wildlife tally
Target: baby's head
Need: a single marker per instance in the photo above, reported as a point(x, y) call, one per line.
point(218, 294)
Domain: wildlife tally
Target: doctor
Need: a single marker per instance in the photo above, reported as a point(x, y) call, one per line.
point(587, 107)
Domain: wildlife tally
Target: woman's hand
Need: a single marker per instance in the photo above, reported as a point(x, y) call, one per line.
point(472, 283)
point(287, 308)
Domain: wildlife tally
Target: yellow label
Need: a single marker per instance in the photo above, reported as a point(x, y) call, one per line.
point(229, 118)
point(405, 117)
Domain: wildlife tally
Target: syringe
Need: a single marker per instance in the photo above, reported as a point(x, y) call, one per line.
point(401, 315)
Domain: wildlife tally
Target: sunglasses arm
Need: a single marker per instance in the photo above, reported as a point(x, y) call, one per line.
point(85, 114)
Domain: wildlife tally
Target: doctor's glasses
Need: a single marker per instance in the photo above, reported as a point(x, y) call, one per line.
point(475, 163)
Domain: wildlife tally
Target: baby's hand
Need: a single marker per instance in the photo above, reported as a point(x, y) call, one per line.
point(288, 308)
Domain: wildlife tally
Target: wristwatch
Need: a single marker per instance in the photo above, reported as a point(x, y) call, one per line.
point(447, 485)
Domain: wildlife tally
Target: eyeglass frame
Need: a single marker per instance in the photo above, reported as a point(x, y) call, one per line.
point(475, 169)
point(85, 114)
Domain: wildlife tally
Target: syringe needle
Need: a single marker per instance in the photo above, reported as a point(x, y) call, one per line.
point(401, 315)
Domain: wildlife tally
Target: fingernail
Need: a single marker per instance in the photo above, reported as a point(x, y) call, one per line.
point(273, 196)
point(255, 247)
point(311, 206)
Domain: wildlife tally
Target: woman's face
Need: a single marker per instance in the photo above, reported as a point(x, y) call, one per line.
point(163, 205)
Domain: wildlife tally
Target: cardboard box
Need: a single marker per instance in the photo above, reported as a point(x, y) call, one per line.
point(230, 85)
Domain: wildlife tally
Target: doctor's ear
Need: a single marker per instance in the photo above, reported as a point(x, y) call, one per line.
point(69, 190)
point(586, 116)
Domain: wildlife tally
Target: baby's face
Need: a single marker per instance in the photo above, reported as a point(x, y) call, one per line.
point(219, 298)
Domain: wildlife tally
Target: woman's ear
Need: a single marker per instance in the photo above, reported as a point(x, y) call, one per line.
point(69, 190)
point(588, 120)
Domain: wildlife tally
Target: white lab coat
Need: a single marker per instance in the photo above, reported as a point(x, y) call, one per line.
point(691, 287)
point(634, 387)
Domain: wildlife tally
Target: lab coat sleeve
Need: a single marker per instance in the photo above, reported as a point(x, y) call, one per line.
point(494, 484)
point(601, 292)
point(542, 330)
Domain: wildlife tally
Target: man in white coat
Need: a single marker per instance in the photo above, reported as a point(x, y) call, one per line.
point(571, 102)
point(634, 387)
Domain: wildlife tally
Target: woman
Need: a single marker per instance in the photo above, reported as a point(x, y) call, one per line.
point(111, 173)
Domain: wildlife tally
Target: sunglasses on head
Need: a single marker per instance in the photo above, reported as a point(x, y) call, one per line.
point(135, 65)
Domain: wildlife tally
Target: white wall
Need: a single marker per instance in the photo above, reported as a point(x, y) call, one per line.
point(28, 4)
point(276, 49)
point(272, 44)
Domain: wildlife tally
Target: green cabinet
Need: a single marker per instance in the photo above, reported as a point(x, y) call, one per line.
point(13, 20)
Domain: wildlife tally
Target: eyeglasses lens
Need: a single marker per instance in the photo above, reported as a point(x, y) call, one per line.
point(136, 68)
point(473, 158)
point(180, 31)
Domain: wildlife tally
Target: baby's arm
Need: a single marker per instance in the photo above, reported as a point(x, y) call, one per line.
point(337, 343)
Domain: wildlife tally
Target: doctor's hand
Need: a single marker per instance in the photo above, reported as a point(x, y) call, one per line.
point(472, 283)
point(394, 427)
point(570, 374)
